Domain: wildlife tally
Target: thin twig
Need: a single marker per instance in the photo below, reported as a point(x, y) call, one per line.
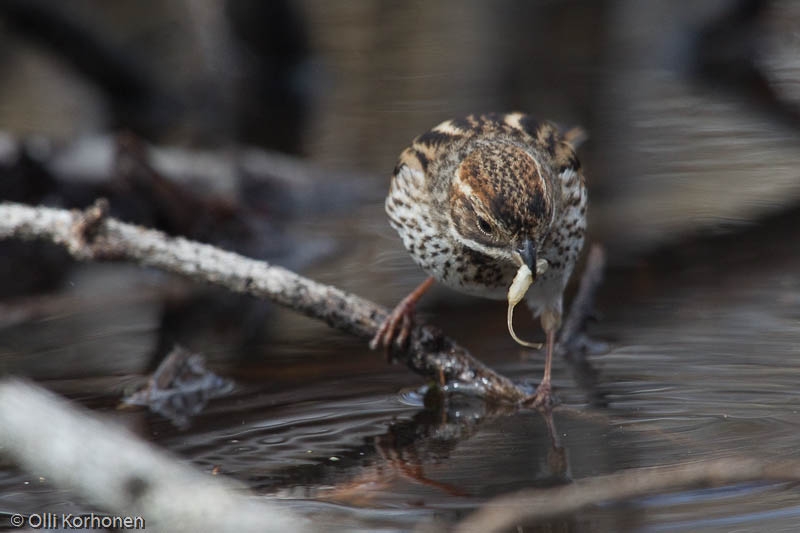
point(573, 342)
point(92, 236)
point(572, 336)
point(505, 512)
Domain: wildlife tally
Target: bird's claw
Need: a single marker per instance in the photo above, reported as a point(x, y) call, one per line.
point(395, 330)
point(542, 399)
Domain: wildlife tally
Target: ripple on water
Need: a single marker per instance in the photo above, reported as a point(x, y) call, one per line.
point(292, 431)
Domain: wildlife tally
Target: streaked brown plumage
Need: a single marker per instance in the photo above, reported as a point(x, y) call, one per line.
point(474, 198)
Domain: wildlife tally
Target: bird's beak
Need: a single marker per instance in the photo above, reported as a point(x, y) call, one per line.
point(526, 254)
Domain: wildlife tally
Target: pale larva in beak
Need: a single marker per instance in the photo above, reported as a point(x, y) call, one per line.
point(516, 292)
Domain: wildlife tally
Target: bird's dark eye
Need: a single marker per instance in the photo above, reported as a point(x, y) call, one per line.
point(484, 226)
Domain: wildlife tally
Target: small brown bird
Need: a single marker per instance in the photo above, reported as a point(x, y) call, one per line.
point(476, 198)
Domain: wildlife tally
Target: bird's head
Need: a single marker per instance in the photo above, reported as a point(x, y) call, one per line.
point(501, 203)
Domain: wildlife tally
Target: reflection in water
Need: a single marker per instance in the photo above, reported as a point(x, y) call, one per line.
point(429, 438)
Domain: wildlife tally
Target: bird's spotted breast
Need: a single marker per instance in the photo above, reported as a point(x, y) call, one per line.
point(481, 275)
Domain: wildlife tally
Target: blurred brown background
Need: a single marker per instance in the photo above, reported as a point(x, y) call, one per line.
point(692, 108)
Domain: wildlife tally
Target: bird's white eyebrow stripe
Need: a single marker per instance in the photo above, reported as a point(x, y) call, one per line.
point(474, 245)
point(464, 187)
point(538, 171)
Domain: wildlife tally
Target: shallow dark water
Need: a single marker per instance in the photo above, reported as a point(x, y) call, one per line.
point(695, 370)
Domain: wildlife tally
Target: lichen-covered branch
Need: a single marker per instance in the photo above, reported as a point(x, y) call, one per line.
point(91, 235)
point(118, 473)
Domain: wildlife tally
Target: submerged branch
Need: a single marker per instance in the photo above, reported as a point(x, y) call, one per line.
point(505, 512)
point(93, 236)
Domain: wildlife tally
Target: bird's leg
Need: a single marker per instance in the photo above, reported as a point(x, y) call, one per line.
point(544, 392)
point(396, 328)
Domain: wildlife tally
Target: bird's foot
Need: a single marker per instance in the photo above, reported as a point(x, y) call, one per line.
point(395, 330)
point(542, 399)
